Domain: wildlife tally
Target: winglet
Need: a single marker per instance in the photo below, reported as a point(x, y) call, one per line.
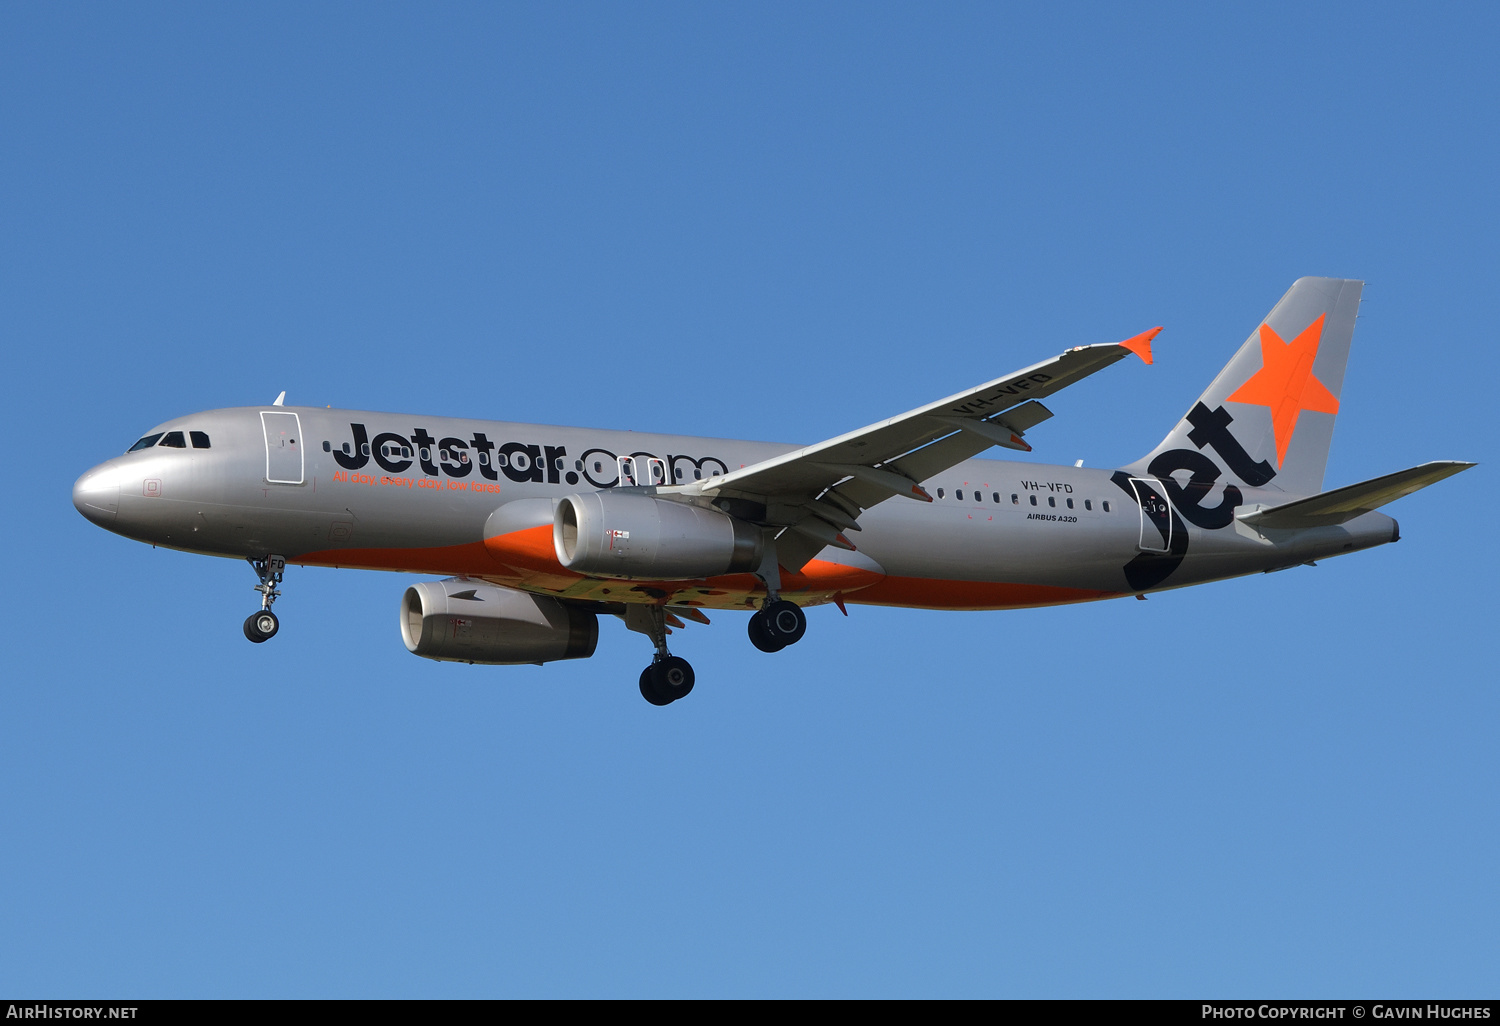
point(280, 399)
point(1140, 345)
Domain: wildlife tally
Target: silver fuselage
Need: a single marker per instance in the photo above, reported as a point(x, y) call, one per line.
point(999, 534)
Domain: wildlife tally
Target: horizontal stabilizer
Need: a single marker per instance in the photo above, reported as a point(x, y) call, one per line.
point(1344, 504)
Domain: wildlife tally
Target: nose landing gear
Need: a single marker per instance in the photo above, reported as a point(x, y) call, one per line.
point(263, 625)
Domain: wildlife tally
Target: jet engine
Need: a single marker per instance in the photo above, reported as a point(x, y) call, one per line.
point(471, 622)
point(625, 534)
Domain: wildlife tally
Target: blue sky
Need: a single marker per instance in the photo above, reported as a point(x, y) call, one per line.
point(768, 221)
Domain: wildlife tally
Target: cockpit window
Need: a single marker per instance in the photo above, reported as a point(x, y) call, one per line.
point(174, 440)
point(200, 439)
point(145, 443)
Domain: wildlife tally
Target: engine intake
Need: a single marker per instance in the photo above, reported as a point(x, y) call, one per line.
point(469, 622)
point(625, 534)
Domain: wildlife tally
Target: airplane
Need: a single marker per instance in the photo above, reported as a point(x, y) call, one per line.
point(540, 530)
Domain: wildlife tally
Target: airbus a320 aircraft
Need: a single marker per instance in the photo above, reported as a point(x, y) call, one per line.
point(539, 530)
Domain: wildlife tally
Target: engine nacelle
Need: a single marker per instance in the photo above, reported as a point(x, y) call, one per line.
point(470, 622)
point(626, 534)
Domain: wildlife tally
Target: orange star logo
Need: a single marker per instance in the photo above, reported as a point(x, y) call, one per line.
point(1285, 382)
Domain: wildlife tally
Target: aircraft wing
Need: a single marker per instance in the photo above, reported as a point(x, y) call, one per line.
point(820, 491)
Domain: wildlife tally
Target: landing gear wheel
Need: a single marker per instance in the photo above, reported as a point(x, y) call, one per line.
point(648, 689)
point(666, 680)
point(785, 622)
point(671, 677)
point(261, 626)
point(760, 635)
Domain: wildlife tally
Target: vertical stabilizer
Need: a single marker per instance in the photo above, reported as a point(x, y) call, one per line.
point(1267, 419)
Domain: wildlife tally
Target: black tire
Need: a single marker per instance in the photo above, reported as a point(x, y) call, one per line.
point(672, 677)
point(785, 622)
point(261, 626)
point(648, 689)
point(760, 635)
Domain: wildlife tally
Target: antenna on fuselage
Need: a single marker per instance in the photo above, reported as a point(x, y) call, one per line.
point(280, 399)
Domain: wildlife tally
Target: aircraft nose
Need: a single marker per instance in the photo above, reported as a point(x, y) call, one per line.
point(97, 496)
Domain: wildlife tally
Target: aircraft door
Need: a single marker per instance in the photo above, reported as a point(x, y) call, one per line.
point(641, 470)
point(1156, 516)
point(283, 447)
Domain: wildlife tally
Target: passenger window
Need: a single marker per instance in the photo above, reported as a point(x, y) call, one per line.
point(484, 459)
point(173, 439)
point(200, 439)
point(145, 443)
point(364, 448)
point(959, 495)
point(501, 459)
point(1070, 503)
point(598, 466)
point(426, 455)
point(1088, 503)
point(1106, 505)
point(697, 475)
point(327, 446)
point(1032, 498)
point(345, 447)
point(1051, 501)
point(677, 473)
point(996, 497)
point(405, 452)
point(1015, 500)
point(940, 493)
point(558, 463)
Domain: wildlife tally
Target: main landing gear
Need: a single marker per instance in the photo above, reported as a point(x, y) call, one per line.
point(779, 623)
point(669, 677)
point(263, 625)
